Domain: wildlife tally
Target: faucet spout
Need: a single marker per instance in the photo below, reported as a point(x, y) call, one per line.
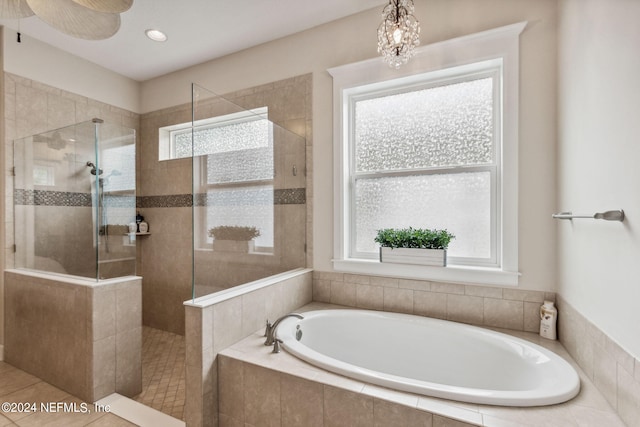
point(270, 331)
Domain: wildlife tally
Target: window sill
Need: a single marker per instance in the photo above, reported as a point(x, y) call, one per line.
point(457, 274)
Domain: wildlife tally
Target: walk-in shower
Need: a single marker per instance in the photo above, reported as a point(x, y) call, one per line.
point(73, 290)
point(249, 189)
point(75, 193)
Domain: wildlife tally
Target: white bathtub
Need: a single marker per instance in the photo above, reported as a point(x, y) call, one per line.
point(431, 357)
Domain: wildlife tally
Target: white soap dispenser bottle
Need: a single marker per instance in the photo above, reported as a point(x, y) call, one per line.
point(548, 320)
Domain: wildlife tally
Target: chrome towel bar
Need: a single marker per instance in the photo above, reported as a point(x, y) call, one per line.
point(617, 215)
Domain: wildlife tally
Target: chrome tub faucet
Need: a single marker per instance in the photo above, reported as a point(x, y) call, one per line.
point(270, 330)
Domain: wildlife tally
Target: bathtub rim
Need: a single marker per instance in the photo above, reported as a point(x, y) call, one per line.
point(528, 398)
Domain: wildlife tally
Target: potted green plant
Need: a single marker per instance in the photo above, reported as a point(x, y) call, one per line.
point(414, 245)
point(234, 238)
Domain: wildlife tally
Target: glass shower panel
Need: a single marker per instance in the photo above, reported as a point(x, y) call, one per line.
point(115, 200)
point(74, 193)
point(249, 213)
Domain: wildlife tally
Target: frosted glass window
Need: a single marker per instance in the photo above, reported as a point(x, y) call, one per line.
point(458, 202)
point(245, 206)
point(235, 154)
point(221, 138)
point(123, 177)
point(424, 155)
point(240, 165)
point(450, 125)
point(44, 175)
point(433, 145)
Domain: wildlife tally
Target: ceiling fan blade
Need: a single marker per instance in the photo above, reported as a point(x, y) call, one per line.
point(75, 20)
point(108, 6)
point(14, 9)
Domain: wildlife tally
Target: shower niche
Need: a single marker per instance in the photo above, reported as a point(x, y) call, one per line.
point(74, 196)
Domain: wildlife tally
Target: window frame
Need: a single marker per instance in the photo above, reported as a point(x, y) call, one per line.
point(467, 55)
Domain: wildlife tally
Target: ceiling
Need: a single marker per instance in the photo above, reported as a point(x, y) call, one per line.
point(198, 30)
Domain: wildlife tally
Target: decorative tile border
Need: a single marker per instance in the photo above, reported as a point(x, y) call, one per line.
point(171, 201)
point(67, 198)
point(287, 196)
point(290, 196)
point(51, 198)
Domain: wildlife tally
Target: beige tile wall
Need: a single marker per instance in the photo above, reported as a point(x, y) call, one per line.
point(614, 371)
point(47, 331)
point(29, 108)
point(86, 340)
point(117, 338)
point(251, 395)
point(212, 328)
point(478, 305)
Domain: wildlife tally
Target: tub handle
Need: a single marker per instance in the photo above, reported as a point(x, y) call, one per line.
point(267, 328)
point(276, 345)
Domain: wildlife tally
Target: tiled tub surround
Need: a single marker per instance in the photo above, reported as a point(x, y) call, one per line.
point(614, 371)
point(82, 336)
point(477, 305)
point(257, 387)
point(216, 322)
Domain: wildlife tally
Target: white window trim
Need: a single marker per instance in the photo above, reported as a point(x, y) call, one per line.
point(497, 44)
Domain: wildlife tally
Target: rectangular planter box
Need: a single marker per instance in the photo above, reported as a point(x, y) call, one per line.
point(435, 257)
point(243, 246)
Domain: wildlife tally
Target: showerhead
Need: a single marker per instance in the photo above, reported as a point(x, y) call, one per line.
point(94, 170)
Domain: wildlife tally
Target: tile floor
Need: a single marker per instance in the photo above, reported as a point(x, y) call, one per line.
point(163, 385)
point(163, 372)
point(18, 387)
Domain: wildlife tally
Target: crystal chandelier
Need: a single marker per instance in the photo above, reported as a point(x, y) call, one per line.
point(399, 33)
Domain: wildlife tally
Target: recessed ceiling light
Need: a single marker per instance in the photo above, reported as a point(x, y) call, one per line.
point(156, 35)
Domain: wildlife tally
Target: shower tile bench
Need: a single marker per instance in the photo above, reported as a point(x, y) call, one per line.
point(256, 385)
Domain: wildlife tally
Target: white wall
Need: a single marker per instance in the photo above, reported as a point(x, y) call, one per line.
point(599, 163)
point(353, 39)
point(46, 64)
